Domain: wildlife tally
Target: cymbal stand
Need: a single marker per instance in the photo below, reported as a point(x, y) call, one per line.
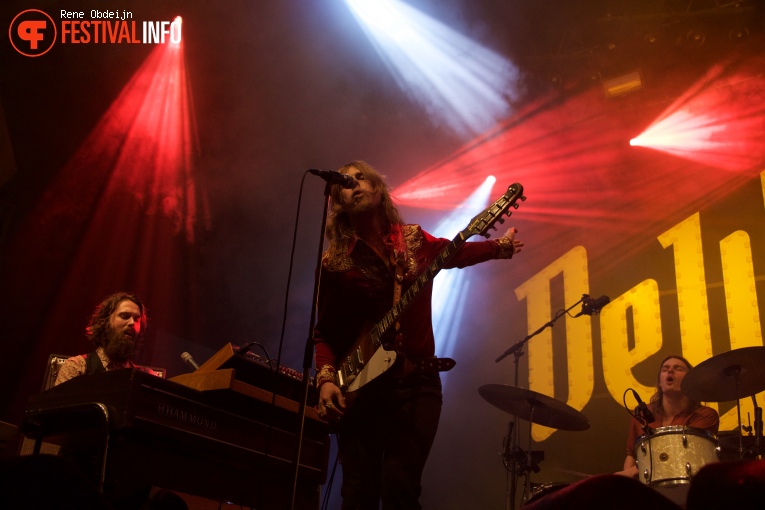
point(511, 458)
point(735, 371)
point(757, 428)
point(520, 462)
point(530, 466)
point(517, 351)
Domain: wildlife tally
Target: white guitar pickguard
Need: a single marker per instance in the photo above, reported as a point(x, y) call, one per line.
point(380, 361)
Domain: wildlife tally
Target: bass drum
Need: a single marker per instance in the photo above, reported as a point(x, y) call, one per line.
point(542, 490)
point(673, 455)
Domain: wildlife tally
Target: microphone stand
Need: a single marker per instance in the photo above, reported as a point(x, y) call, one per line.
point(517, 351)
point(308, 352)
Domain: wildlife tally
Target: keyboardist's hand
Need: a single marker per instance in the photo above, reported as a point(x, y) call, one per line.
point(331, 404)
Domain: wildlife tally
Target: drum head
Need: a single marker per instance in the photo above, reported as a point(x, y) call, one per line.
point(678, 429)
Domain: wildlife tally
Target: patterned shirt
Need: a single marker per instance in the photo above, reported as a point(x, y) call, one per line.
point(356, 290)
point(76, 366)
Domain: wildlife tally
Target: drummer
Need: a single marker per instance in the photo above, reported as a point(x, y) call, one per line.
point(670, 406)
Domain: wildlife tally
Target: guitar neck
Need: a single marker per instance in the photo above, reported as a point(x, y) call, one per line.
point(422, 281)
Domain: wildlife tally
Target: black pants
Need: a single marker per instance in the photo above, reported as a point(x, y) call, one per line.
point(384, 442)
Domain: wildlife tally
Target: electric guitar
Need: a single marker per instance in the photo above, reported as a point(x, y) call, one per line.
point(369, 358)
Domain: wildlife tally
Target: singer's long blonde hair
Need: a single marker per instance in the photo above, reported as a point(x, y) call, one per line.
point(339, 229)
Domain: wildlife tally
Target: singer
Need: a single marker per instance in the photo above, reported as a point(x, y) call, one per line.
point(670, 406)
point(385, 435)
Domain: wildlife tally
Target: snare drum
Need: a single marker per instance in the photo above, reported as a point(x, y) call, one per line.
point(673, 455)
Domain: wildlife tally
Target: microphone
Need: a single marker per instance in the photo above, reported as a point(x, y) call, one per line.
point(244, 349)
point(334, 177)
point(186, 357)
point(593, 306)
point(644, 411)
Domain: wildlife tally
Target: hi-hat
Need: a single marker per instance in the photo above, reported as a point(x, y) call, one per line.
point(535, 407)
point(734, 374)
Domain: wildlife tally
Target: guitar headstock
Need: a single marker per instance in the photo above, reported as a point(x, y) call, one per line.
point(482, 222)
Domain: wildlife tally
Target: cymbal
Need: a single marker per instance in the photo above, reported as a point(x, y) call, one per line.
point(535, 407)
point(714, 380)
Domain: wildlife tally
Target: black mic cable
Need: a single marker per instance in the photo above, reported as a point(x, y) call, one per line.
point(644, 411)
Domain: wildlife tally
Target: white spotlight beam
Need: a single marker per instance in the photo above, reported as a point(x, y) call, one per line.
point(450, 287)
point(459, 82)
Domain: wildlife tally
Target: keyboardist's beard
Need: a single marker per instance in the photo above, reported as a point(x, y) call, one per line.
point(119, 347)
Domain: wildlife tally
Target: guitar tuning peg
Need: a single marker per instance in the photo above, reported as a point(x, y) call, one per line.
point(516, 205)
point(501, 221)
point(487, 235)
point(494, 227)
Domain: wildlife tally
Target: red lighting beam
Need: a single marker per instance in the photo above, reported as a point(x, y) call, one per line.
point(718, 122)
point(144, 146)
point(123, 210)
point(581, 176)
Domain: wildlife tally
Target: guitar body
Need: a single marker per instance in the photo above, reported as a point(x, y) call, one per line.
point(378, 363)
point(367, 360)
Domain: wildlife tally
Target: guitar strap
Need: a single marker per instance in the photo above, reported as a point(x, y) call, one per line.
point(427, 365)
point(397, 280)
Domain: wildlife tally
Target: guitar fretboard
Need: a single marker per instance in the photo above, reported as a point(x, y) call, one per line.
point(422, 281)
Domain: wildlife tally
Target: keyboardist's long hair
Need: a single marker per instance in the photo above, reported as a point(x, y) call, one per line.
point(98, 327)
point(339, 230)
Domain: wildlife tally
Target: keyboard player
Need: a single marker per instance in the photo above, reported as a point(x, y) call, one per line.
point(116, 329)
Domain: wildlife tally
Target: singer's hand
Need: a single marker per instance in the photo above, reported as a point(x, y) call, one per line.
point(331, 404)
point(510, 234)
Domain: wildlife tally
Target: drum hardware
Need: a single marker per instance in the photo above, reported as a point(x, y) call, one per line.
point(520, 461)
point(757, 429)
point(526, 405)
point(540, 490)
point(729, 376)
point(728, 445)
point(515, 459)
point(578, 474)
point(748, 428)
point(535, 408)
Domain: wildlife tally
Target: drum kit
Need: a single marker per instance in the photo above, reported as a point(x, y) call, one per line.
point(729, 376)
point(666, 456)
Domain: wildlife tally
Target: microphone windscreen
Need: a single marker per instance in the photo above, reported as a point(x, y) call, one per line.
point(186, 357)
